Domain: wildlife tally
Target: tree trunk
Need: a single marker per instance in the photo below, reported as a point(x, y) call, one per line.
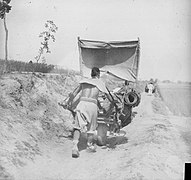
point(6, 44)
point(39, 57)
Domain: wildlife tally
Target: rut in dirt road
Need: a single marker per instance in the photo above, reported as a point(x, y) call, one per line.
point(150, 148)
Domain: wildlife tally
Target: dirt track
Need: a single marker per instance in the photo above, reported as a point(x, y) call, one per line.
point(32, 146)
point(152, 148)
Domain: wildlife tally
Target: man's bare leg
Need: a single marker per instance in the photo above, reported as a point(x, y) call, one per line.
point(92, 138)
point(76, 137)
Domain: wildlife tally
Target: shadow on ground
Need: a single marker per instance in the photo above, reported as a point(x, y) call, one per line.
point(111, 142)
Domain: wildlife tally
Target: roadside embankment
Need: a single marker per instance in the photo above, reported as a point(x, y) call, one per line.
point(177, 97)
point(30, 116)
point(33, 143)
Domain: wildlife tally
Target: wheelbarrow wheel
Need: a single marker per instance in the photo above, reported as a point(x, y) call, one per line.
point(102, 134)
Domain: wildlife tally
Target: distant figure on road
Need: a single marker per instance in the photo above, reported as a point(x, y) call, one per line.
point(150, 87)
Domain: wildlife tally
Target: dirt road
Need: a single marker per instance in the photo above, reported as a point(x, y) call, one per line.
point(153, 146)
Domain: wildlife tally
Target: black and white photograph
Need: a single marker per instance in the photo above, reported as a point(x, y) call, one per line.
point(95, 89)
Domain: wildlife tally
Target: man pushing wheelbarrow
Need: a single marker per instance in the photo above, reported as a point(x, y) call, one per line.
point(86, 112)
point(117, 61)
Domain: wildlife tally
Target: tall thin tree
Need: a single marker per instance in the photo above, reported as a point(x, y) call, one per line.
point(46, 36)
point(5, 8)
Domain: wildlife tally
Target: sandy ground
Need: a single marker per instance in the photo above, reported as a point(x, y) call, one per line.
point(33, 131)
point(153, 146)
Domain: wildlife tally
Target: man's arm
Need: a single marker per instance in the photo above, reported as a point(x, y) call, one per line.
point(74, 94)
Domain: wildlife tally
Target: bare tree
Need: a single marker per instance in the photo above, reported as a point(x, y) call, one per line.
point(5, 8)
point(46, 36)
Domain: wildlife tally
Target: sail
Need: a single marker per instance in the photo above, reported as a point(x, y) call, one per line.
point(116, 59)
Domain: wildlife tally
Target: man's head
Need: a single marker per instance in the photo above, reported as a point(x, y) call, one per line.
point(95, 72)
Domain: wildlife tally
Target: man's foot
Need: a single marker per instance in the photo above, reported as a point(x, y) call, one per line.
point(75, 153)
point(91, 147)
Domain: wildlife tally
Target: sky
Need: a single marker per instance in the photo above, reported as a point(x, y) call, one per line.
point(163, 27)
